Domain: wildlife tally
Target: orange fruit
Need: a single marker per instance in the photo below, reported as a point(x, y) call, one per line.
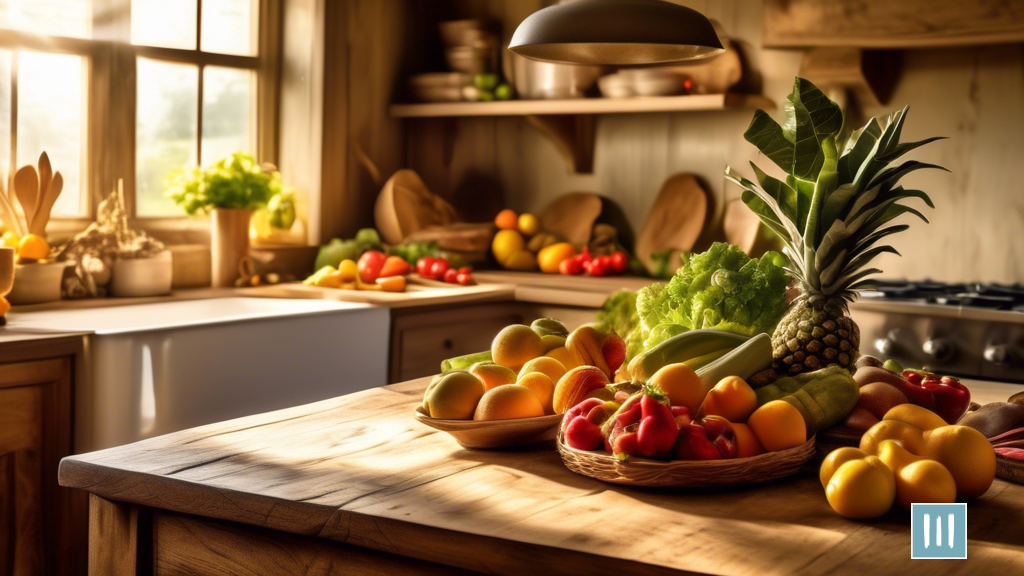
point(968, 456)
point(507, 220)
point(516, 345)
point(732, 398)
point(681, 384)
point(506, 244)
point(542, 386)
point(33, 247)
point(546, 365)
point(924, 481)
point(861, 488)
point(551, 257)
point(507, 402)
point(835, 459)
point(455, 396)
point(746, 441)
point(564, 357)
point(778, 425)
point(493, 375)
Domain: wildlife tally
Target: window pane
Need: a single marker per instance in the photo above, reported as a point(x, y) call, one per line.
point(229, 26)
point(50, 17)
point(5, 113)
point(165, 131)
point(51, 107)
point(229, 107)
point(166, 23)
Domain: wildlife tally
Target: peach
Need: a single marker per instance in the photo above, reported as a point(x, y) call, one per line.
point(879, 397)
point(507, 402)
point(732, 398)
point(778, 425)
point(574, 387)
point(585, 345)
point(516, 345)
point(613, 349)
point(747, 443)
point(493, 375)
point(548, 366)
point(681, 384)
point(542, 386)
point(564, 357)
point(455, 396)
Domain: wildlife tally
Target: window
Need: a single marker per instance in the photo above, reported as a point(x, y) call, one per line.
point(77, 75)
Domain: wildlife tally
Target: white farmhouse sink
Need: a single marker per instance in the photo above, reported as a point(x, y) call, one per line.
point(159, 368)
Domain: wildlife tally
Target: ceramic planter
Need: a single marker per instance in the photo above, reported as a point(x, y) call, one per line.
point(138, 277)
point(229, 242)
point(37, 283)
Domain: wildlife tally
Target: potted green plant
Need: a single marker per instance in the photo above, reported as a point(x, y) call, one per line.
point(229, 190)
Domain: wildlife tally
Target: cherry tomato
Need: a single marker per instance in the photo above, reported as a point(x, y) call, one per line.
point(597, 268)
point(571, 267)
point(450, 275)
point(369, 265)
point(438, 268)
point(620, 261)
point(423, 266)
point(465, 279)
point(465, 270)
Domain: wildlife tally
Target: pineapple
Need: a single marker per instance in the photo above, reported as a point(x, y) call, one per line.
point(832, 209)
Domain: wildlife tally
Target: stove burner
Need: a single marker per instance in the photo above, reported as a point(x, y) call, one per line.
point(971, 295)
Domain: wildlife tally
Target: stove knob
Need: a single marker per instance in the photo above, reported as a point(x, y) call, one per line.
point(940, 349)
point(997, 353)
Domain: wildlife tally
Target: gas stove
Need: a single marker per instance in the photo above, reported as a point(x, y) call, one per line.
point(973, 330)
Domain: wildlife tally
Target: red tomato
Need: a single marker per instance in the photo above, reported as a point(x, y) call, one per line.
point(438, 268)
point(620, 262)
point(450, 275)
point(465, 270)
point(423, 266)
point(370, 264)
point(465, 279)
point(571, 267)
point(597, 268)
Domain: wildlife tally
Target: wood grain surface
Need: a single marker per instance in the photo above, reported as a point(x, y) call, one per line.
point(414, 295)
point(582, 283)
point(359, 470)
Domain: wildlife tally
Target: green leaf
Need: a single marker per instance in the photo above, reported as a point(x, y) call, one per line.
point(862, 260)
point(783, 194)
point(810, 118)
point(904, 147)
point(823, 187)
point(804, 194)
point(859, 152)
point(766, 134)
point(890, 176)
point(836, 202)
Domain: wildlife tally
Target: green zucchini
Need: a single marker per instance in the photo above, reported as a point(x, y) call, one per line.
point(744, 361)
point(681, 348)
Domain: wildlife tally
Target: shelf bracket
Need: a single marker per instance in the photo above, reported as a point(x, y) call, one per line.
point(572, 134)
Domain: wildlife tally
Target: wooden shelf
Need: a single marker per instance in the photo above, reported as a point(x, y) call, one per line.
point(692, 103)
point(569, 124)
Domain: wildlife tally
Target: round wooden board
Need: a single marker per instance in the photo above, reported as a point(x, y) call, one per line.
point(572, 216)
point(675, 220)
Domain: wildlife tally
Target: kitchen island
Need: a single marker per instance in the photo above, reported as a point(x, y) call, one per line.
point(354, 484)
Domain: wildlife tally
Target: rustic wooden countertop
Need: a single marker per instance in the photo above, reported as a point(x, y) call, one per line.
point(359, 469)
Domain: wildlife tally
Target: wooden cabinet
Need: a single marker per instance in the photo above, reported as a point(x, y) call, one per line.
point(42, 526)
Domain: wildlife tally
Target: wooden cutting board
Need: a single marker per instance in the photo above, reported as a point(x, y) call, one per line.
point(675, 220)
point(572, 216)
point(741, 226)
point(405, 205)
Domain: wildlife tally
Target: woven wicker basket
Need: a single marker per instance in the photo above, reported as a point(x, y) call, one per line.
point(685, 473)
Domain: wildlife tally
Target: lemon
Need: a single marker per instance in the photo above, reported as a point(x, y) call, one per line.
point(528, 224)
point(506, 243)
point(9, 240)
point(33, 247)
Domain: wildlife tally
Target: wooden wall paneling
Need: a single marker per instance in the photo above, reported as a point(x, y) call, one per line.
point(887, 24)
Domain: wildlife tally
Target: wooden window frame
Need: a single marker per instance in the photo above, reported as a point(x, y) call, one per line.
point(110, 146)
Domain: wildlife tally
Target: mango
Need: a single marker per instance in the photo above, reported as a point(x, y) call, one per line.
point(508, 402)
point(550, 367)
point(516, 345)
point(455, 396)
point(575, 385)
point(541, 385)
point(585, 344)
point(493, 375)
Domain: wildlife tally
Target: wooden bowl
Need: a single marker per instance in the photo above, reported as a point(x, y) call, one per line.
point(685, 473)
point(496, 433)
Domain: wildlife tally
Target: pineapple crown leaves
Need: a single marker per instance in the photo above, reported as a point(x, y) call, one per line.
point(839, 194)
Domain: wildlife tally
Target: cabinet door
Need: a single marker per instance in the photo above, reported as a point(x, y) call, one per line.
point(38, 529)
point(420, 341)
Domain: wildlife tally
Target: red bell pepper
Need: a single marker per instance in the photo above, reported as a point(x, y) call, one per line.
point(711, 438)
point(582, 423)
point(949, 397)
point(644, 426)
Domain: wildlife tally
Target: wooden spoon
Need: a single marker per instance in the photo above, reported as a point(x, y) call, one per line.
point(46, 205)
point(7, 212)
point(26, 188)
point(45, 178)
